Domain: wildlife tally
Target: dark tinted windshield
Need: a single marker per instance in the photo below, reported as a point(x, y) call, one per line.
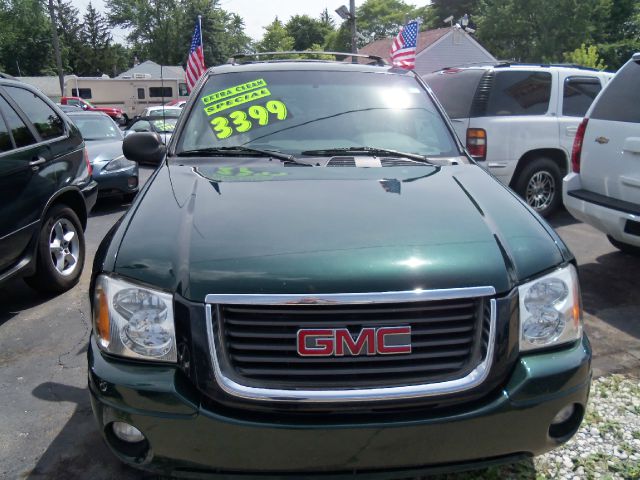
point(295, 111)
point(96, 127)
point(455, 89)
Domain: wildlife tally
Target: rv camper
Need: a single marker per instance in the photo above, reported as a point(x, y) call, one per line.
point(132, 95)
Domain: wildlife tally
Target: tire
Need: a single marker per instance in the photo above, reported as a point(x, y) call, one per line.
point(624, 247)
point(540, 185)
point(60, 252)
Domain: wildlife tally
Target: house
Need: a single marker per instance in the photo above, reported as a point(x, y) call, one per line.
point(153, 70)
point(437, 49)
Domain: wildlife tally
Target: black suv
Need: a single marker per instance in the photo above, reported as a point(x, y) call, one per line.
point(46, 191)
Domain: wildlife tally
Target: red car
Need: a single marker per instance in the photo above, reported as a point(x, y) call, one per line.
point(116, 113)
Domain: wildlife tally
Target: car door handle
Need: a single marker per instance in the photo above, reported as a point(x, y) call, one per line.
point(36, 162)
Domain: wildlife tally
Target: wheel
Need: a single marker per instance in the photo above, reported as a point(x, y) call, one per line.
point(60, 252)
point(540, 185)
point(624, 247)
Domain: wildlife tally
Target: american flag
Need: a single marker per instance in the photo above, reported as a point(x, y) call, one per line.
point(403, 48)
point(195, 63)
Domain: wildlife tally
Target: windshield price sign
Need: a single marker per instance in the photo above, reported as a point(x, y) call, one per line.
point(240, 121)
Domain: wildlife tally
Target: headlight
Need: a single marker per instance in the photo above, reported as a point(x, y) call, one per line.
point(118, 164)
point(550, 310)
point(133, 321)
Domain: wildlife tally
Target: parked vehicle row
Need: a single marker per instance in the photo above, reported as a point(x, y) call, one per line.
point(103, 140)
point(519, 121)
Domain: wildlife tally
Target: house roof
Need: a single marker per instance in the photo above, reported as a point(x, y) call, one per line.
point(153, 70)
point(381, 48)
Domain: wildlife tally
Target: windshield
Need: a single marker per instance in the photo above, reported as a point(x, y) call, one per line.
point(97, 128)
point(166, 125)
point(297, 111)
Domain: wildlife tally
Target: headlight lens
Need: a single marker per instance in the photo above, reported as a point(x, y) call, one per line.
point(117, 164)
point(550, 310)
point(133, 321)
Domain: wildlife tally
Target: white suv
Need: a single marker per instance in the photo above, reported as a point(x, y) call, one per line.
point(604, 188)
point(519, 121)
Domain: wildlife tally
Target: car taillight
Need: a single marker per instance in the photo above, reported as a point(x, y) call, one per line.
point(477, 143)
point(576, 151)
point(86, 159)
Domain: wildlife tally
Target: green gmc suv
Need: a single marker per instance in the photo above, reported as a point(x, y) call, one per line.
point(318, 280)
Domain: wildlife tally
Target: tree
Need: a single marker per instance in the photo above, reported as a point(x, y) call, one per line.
point(339, 40)
point(161, 30)
point(96, 40)
point(327, 21)
point(585, 56)
point(534, 31)
point(275, 38)
point(306, 31)
point(25, 38)
point(383, 18)
point(444, 8)
point(69, 32)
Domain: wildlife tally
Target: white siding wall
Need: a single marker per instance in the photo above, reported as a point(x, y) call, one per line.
point(451, 50)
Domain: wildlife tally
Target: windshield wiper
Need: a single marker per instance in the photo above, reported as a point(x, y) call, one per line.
point(240, 151)
point(368, 151)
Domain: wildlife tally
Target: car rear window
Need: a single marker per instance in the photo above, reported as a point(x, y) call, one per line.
point(578, 95)
point(620, 102)
point(44, 118)
point(455, 89)
point(519, 93)
point(21, 134)
point(292, 111)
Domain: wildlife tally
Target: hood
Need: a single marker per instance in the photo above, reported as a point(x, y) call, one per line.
point(103, 150)
point(204, 229)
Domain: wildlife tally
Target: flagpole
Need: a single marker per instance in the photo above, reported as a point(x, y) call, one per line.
point(201, 35)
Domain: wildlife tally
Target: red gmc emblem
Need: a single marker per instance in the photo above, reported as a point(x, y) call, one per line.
point(329, 342)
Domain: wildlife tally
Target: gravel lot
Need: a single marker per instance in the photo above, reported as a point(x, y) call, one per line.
point(606, 446)
point(47, 429)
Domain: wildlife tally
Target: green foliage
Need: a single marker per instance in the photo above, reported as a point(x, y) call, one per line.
point(534, 31)
point(161, 30)
point(306, 31)
point(339, 40)
point(326, 20)
point(276, 38)
point(443, 8)
point(25, 38)
point(378, 19)
point(586, 56)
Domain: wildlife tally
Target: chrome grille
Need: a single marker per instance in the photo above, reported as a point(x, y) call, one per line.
point(258, 343)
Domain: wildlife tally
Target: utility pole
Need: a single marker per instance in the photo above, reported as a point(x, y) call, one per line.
point(56, 46)
point(354, 39)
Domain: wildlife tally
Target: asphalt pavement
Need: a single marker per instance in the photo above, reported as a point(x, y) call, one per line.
point(46, 425)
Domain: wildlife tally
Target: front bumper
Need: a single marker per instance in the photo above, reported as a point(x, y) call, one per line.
point(188, 439)
point(611, 221)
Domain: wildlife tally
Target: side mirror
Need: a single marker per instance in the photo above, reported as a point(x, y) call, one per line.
point(144, 147)
point(84, 106)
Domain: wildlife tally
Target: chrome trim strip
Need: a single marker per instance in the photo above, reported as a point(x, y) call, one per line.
point(472, 380)
point(350, 298)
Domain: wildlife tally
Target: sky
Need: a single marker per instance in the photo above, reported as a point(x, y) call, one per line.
point(256, 13)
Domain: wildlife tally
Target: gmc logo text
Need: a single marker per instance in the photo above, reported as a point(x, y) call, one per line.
point(338, 342)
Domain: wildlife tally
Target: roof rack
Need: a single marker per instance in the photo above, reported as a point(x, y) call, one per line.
point(511, 63)
point(239, 56)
